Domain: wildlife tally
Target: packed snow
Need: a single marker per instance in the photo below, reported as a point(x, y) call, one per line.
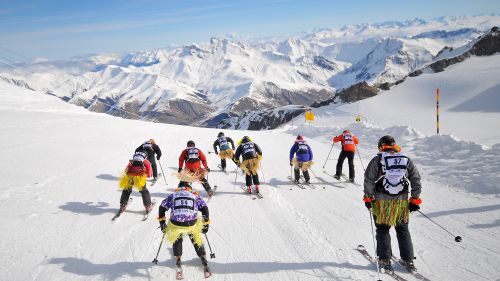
point(60, 190)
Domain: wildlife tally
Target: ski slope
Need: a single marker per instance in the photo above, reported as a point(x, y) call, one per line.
point(59, 192)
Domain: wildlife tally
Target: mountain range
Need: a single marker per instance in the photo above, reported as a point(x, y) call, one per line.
point(226, 83)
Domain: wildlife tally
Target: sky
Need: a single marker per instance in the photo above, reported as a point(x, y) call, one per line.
point(59, 29)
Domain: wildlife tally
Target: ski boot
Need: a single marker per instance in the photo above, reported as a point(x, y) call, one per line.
point(351, 180)
point(337, 177)
point(249, 189)
point(409, 265)
point(123, 207)
point(256, 188)
point(149, 208)
point(178, 270)
point(385, 266)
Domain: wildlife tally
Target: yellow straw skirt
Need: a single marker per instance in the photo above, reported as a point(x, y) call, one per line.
point(174, 232)
point(304, 166)
point(225, 154)
point(251, 166)
point(188, 176)
point(129, 182)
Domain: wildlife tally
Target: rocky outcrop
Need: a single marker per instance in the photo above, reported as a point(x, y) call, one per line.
point(263, 119)
point(354, 93)
point(486, 45)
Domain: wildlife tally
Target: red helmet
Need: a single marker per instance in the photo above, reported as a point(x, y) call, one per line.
point(299, 137)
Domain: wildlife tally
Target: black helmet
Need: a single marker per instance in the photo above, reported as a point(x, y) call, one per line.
point(386, 140)
point(221, 134)
point(184, 184)
point(191, 144)
point(245, 139)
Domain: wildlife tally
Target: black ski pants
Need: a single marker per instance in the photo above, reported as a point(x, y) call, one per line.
point(350, 159)
point(252, 178)
point(296, 171)
point(200, 251)
point(153, 166)
point(146, 197)
point(383, 236)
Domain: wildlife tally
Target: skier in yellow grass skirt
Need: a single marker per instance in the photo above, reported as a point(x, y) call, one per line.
point(251, 154)
point(184, 205)
point(135, 175)
point(226, 152)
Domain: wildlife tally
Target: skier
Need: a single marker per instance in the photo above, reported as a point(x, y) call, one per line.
point(348, 142)
point(184, 205)
point(251, 154)
point(151, 148)
point(135, 175)
point(192, 157)
point(303, 160)
point(387, 180)
point(225, 152)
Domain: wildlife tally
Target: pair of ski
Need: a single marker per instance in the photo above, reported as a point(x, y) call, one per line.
point(361, 249)
point(153, 181)
point(344, 177)
point(258, 195)
point(144, 217)
point(301, 185)
point(179, 275)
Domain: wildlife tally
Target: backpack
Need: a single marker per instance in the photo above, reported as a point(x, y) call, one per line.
point(394, 166)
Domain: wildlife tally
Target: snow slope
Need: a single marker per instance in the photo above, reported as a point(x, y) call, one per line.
point(59, 191)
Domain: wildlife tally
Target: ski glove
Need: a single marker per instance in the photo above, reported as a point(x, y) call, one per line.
point(368, 205)
point(413, 207)
point(208, 169)
point(204, 229)
point(291, 164)
point(414, 204)
point(163, 226)
point(158, 157)
point(180, 170)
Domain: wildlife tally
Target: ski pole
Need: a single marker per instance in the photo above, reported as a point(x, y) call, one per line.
point(155, 261)
point(235, 178)
point(374, 245)
point(162, 172)
point(457, 238)
point(262, 172)
point(212, 254)
point(328, 157)
point(360, 159)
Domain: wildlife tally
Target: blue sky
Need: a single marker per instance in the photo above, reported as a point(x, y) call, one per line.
point(64, 28)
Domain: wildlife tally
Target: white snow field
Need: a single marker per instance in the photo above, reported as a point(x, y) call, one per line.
point(59, 191)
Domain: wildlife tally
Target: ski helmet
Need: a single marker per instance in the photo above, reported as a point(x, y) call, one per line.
point(190, 144)
point(221, 134)
point(346, 132)
point(245, 139)
point(184, 185)
point(299, 137)
point(386, 140)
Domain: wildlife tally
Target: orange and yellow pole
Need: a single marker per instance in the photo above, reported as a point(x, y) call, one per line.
point(437, 111)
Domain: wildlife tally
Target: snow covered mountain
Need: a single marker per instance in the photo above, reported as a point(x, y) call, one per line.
point(213, 83)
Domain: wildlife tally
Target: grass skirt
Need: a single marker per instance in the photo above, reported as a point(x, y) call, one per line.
point(129, 182)
point(174, 232)
point(304, 166)
point(391, 212)
point(251, 166)
point(226, 154)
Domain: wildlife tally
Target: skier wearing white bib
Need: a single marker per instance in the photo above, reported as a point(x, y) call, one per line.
point(389, 177)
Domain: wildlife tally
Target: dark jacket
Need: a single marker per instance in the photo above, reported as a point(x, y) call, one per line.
point(150, 149)
point(249, 153)
point(217, 143)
